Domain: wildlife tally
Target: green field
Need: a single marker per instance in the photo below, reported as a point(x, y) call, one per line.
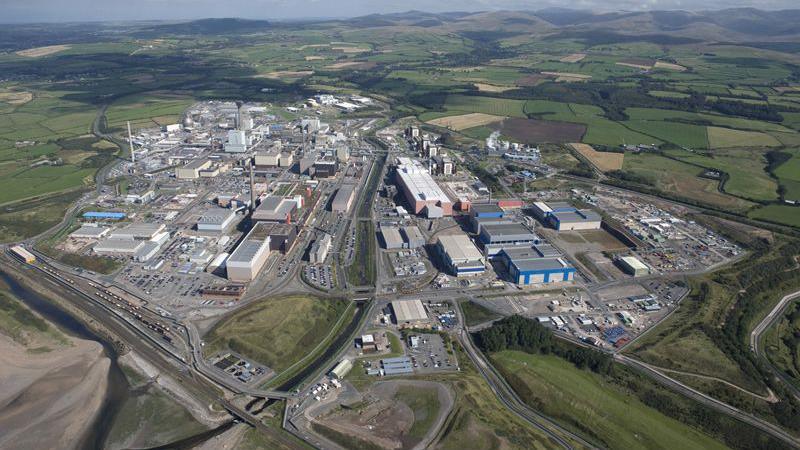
point(587, 404)
point(788, 174)
point(424, 402)
point(475, 314)
point(25, 219)
point(276, 331)
point(783, 214)
point(781, 342)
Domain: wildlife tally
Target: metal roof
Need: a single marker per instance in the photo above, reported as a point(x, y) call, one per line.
point(460, 248)
point(419, 182)
point(408, 310)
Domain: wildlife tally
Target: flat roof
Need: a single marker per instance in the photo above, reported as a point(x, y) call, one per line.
point(412, 233)
point(419, 182)
point(486, 208)
point(582, 215)
point(391, 236)
point(196, 164)
point(118, 245)
point(274, 208)
point(86, 230)
point(216, 217)
point(247, 251)
point(511, 230)
point(144, 229)
point(408, 310)
point(529, 259)
point(459, 247)
point(634, 263)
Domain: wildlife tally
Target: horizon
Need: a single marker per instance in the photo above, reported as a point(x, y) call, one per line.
point(116, 11)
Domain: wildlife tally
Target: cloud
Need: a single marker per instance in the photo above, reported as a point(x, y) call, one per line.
point(98, 10)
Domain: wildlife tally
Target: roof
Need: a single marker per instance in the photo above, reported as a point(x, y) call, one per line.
point(408, 310)
point(104, 215)
point(486, 208)
point(274, 208)
point(118, 245)
point(89, 231)
point(546, 250)
point(216, 217)
point(391, 236)
point(634, 263)
point(256, 241)
point(581, 215)
point(139, 229)
point(460, 248)
point(344, 194)
point(412, 234)
point(418, 181)
point(507, 231)
point(196, 164)
point(536, 259)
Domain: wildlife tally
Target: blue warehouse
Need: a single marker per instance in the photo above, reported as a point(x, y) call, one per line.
point(538, 265)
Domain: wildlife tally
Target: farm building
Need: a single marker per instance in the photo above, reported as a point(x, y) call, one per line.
point(633, 266)
point(460, 255)
point(528, 266)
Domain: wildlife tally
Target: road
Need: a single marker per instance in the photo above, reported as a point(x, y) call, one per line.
point(761, 328)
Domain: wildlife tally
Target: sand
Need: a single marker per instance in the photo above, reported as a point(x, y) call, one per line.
point(49, 400)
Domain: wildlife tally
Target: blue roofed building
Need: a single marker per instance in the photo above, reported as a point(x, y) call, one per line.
point(99, 215)
point(541, 264)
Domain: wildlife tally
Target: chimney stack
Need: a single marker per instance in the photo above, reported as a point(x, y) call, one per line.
point(252, 187)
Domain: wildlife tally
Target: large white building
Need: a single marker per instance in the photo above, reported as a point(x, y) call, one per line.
point(460, 255)
point(320, 248)
point(249, 257)
point(216, 220)
point(237, 142)
point(420, 189)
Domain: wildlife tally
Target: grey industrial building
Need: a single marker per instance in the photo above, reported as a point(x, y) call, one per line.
point(391, 238)
point(249, 256)
point(413, 237)
point(460, 255)
point(344, 198)
point(564, 217)
point(216, 220)
point(138, 231)
point(325, 168)
point(89, 232)
point(275, 209)
point(408, 312)
point(320, 248)
point(495, 237)
point(116, 246)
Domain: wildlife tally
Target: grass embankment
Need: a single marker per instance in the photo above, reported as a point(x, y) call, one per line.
point(475, 314)
point(589, 405)
point(362, 272)
point(278, 331)
point(782, 343)
point(26, 327)
point(29, 218)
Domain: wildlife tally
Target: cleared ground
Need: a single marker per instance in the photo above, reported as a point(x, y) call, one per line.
point(535, 131)
point(276, 331)
point(464, 121)
point(42, 51)
point(605, 161)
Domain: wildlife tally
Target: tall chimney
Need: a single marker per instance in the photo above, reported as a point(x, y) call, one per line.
point(239, 115)
point(130, 142)
point(252, 187)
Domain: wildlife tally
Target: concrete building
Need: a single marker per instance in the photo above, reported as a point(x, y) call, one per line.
point(565, 217)
point(216, 220)
point(275, 209)
point(343, 153)
point(286, 159)
point(419, 187)
point(460, 255)
point(324, 168)
point(147, 251)
point(530, 266)
point(413, 237)
point(237, 142)
point(444, 164)
point(305, 165)
point(138, 231)
point(115, 246)
point(391, 238)
point(344, 198)
point(267, 159)
point(320, 248)
point(89, 232)
point(633, 266)
point(281, 235)
point(408, 312)
point(249, 257)
point(22, 254)
point(191, 171)
point(495, 237)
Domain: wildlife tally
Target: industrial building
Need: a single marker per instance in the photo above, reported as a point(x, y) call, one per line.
point(117, 246)
point(344, 198)
point(535, 265)
point(420, 189)
point(23, 254)
point(341, 369)
point(89, 232)
point(408, 312)
point(249, 256)
point(495, 237)
point(216, 221)
point(320, 248)
point(391, 238)
point(325, 168)
point(268, 159)
point(460, 255)
point(400, 365)
point(444, 164)
point(191, 171)
point(147, 251)
point(485, 213)
point(633, 266)
point(237, 142)
point(275, 209)
point(565, 217)
point(281, 235)
point(413, 237)
point(138, 231)
point(99, 215)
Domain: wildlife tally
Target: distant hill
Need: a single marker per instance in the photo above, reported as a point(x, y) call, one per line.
point(209, 27)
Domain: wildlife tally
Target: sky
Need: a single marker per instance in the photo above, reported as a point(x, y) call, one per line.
point(106, 10)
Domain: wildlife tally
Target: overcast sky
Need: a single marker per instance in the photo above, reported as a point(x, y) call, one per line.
point(98, 10)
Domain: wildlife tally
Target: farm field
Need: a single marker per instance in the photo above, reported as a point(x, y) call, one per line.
point(681, 179)
point(585, 403)
point(782, 214)
point(725, 138)
point(537, 131)
point(276, 331)
point(788, 175)
point(605, 161)
point(464, 121)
